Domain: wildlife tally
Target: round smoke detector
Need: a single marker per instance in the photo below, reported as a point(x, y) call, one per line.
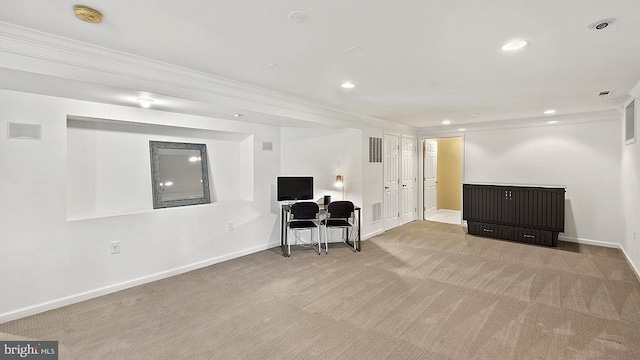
point(601, 24)
point(299, 16)
point(87, 14)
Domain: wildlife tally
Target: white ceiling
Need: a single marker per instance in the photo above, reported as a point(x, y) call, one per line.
point(420, 61)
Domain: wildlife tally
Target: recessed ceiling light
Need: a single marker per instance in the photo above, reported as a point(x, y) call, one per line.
point(145, 102)
point(552, 122)
point(473, 114)
point(601, 24)
point(549, 112)
point(237, 115)
point(446, 122)
point(348, 85)
point(514, 45)
point(462, 129)
point(354, 49)
point(299, 16)
point(272, 66)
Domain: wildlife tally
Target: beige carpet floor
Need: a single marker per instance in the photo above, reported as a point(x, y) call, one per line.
point(422, 291)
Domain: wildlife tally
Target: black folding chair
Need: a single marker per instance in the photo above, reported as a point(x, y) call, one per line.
point(304, 216)
point(340, 215)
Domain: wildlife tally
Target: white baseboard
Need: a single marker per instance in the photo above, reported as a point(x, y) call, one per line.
point(604, 244)
point(589, 242)
point(72, 299)
point(372, 234)
point(633, 266)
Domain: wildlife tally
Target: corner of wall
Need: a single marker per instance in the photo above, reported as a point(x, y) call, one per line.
point(629, 193)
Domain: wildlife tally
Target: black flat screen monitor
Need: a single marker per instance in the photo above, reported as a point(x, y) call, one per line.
point(295, 188)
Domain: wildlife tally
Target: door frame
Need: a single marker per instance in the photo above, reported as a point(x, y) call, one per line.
point(421, 140)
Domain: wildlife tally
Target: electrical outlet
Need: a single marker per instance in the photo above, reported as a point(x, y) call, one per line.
point(231, 226)
point(115, 247)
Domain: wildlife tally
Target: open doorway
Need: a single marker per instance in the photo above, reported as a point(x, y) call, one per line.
point(442, 179)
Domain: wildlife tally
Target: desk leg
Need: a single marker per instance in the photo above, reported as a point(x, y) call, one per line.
point(283, 232)
point(358, 247)
point(354, 244)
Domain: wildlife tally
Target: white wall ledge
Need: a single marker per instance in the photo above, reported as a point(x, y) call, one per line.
point(72, 218)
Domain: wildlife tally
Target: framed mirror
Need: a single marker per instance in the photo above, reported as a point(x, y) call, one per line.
point(179, 174)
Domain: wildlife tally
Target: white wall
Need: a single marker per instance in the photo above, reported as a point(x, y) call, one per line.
point(630, 195)
point(48, 261)
point(583, 157)
point(373, 185)
point(324, 153)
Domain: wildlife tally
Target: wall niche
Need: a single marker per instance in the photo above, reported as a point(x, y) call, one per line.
point(109, 172)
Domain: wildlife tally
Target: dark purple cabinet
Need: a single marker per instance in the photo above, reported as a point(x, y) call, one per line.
point(521, 213)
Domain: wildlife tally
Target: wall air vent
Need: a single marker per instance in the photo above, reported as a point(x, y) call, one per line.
point(376, 212)
point(375, 150)
point(24, 131)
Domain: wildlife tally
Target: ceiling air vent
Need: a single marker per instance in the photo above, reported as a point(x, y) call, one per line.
point(604, 93)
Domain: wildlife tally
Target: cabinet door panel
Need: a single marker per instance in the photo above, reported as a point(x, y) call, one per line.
point(538, 209)
point(507, 205)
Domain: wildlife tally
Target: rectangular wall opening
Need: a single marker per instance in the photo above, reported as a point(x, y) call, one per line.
point(109, 171)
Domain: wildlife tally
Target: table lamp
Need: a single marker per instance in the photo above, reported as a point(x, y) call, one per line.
point(340, 183)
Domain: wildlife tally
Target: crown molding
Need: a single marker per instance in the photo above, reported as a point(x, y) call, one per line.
point(565, 119)
point(62, 57)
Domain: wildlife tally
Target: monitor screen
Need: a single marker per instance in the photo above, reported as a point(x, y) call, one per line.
point(295, 188)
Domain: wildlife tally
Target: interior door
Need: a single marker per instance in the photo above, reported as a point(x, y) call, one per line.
point(391, 201)
point(430, 167)
point(409, 179)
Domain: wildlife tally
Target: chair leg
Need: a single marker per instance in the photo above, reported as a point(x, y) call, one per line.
point(326, 233)
point(326, 246)
point(312, 244)
point(353, 248)
point(311, 230)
